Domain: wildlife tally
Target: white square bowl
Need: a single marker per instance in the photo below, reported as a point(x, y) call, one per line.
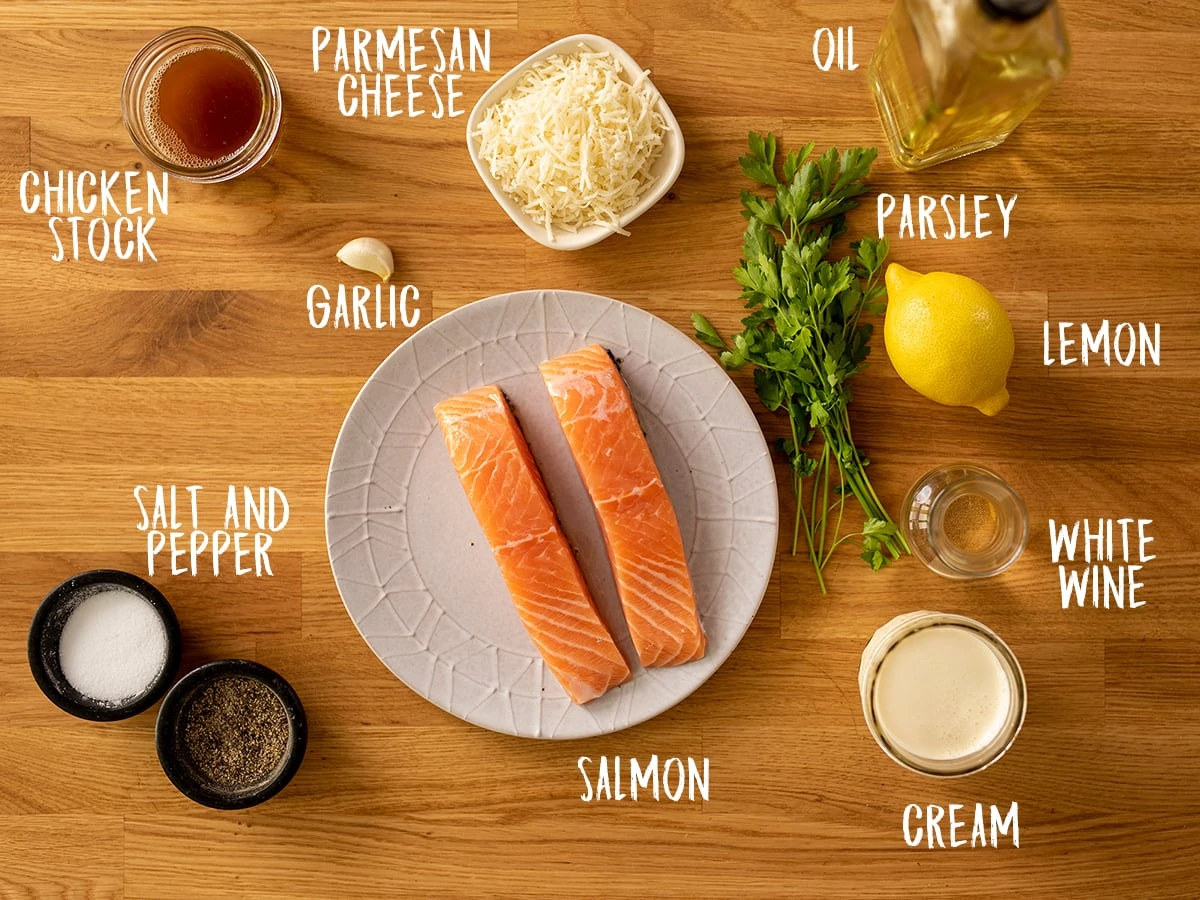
point(665, 170)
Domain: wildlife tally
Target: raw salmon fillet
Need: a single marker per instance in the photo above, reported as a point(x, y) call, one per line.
point(636, 516)
point(508, 496)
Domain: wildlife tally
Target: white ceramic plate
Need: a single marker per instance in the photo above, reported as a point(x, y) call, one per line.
point(665, 169)
point(409, 557)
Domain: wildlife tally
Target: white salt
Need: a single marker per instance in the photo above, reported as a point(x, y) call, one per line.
point(113, 646)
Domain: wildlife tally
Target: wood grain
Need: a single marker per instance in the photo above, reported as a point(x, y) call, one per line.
point(203, 369)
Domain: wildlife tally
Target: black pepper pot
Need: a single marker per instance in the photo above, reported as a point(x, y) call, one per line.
point(231, 734)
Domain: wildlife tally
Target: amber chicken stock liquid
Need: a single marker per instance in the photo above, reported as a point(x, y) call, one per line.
point(203, 106)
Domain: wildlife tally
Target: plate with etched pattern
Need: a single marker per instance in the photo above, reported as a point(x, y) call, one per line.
point(409, 558)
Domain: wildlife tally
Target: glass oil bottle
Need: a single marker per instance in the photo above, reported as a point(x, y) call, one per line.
point(953, 77)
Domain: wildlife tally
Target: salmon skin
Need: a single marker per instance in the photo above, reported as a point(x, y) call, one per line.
point(635, 513)
point(509, 498)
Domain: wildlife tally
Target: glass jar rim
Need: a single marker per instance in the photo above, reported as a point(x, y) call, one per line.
point(154, 54)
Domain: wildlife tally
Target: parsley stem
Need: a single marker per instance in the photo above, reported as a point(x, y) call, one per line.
point(824, 496)
point(841, 512)
point(798, 488)
point(812, 537)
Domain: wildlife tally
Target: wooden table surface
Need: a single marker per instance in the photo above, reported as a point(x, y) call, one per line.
point(203, 369)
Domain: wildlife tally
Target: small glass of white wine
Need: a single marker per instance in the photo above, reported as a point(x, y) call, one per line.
point(965, 521)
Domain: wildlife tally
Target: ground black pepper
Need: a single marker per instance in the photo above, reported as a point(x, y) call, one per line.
point(235, 732)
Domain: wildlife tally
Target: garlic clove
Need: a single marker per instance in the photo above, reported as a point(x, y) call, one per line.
point(368, 254)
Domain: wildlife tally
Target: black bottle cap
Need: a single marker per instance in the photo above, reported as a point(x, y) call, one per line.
point(1014, 10)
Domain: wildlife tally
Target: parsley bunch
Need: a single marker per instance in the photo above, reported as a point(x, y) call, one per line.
point(805, 339)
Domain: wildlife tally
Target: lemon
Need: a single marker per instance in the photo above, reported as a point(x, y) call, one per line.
point(948, 338)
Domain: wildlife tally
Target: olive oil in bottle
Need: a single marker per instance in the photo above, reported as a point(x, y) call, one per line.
point(953, 77)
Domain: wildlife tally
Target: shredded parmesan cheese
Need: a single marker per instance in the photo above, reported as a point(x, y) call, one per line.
point(573, 141)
